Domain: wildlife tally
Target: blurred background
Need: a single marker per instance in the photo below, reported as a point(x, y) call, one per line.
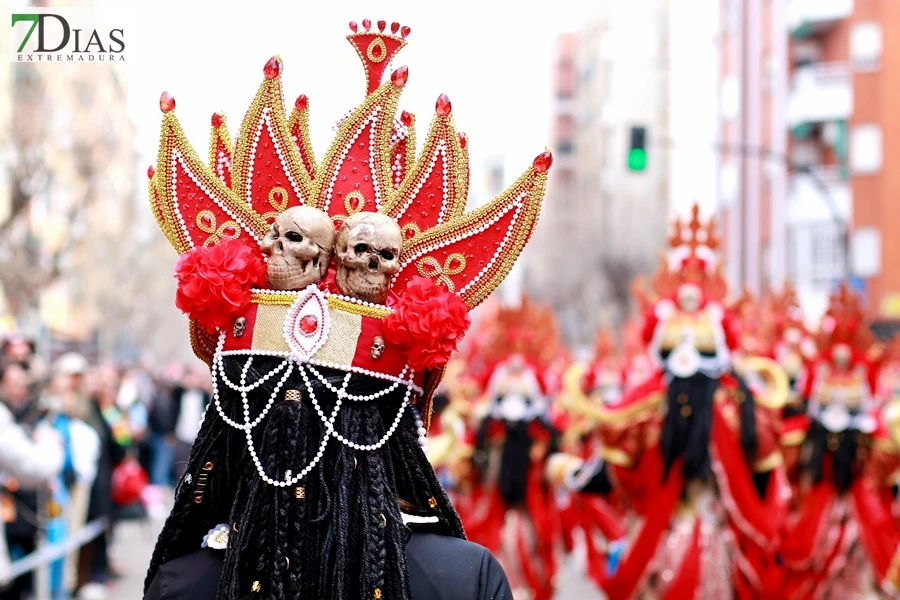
point(776, 116)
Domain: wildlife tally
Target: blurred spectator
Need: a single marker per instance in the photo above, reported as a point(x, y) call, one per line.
point(189, 402)
point(68, 408)
point(27, 462)
point(162, 427)
point(20, 350)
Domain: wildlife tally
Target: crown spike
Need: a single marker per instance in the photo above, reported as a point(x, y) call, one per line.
point(367, 24)
point(443, 106)
point(406, 118)
point(150, 172)
point(381, 26)
point(166, 102)
point(404, 31)
point(353, 26)
point(463, 140)
point(273, 67)
point(302, 102)
point(395, 27)
point(217, 120)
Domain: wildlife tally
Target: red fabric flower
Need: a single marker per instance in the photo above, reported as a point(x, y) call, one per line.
point(428, 322)
point(214, 282)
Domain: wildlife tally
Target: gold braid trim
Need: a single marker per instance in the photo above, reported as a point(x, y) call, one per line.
point(375, 312)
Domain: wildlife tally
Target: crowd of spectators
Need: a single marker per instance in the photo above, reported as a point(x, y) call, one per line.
point(84, 443)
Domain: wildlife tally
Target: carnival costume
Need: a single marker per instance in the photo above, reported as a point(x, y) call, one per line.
point(843, 536)
point(693, 449)
point(326, 297)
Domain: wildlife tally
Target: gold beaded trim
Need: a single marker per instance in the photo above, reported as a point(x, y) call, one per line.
point(162, 216)
point(201, 350)
point(375, 312)
point(532, 184)
point(269, 96)
point(298, 125)
point(379, 44)
point(218, 134)
point(386, 97)
point(273, 201)
point(453, 265)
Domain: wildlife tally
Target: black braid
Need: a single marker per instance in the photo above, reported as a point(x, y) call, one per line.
point(346, 537)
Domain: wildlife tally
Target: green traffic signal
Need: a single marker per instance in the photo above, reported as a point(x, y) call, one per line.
point(637, 159)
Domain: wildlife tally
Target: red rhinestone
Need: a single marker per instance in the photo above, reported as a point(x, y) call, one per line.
point(395, 27)
point(273, 68)
point(442, 106)
point(376, 51)
point(166, 102)
point(367, 24)
point(462, 139)
point(150, 172)
point(406, 118)
point(308, 324)
point(404, 31)
point(400, 76)
point(381, 25)
point(353, 27)
point(542, 162)
point(302, 102)
point(217, 120)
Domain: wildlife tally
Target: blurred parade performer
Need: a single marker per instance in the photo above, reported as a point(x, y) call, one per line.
point(693, 449)
point(327, 298)
point(843, 542)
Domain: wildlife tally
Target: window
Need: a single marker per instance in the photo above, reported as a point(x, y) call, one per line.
point(865, 149)
point(826, 254)
point(865, 45)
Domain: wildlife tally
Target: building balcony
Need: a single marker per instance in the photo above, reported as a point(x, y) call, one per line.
point(821, 92)
point(812, 16)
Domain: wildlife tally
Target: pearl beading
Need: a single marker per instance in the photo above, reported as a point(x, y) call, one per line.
point(441, 151)
point(420, 428)
point(397, 170)
point(266, 119)
point(371, 119)
point(222, 162)
point(356, 398)
point(516, 205)
point(329, 421)
point(247, 426)
point(178, 159)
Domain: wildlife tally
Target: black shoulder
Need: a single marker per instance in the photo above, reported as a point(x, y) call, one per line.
point(447, 568)
point(194, 576)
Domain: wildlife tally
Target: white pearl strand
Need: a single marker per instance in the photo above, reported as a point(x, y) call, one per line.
point(218, 370)
point(329, 422)
point(355, 398)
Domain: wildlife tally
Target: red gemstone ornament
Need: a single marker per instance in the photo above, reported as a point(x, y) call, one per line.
point(462, 139)
point(542, 162)
point(367, 24)
point(166, 102)
point(217, 120)
point(442, 106)
point(302, 102)
point(381, 25)
point(353, 26)
point(400, 76)
point(308, 324)
point(273, 68)
point(404, 31)
point(150, 172)
point(406, 118)
point(395, 27)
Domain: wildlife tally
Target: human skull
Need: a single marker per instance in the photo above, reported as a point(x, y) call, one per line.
point(368, 255)
point(299, 246)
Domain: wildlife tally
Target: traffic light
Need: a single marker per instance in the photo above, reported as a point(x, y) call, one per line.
point(637, 150)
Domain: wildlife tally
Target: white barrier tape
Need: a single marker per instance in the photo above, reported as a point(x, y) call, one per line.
point(52, 552)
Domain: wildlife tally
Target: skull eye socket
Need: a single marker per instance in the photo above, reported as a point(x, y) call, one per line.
point(386, 255)
point(293, 236)
point(361, 248)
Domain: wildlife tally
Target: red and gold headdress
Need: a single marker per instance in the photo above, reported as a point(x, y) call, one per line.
point(845, 322)
point(370, 166)
point(692, 259)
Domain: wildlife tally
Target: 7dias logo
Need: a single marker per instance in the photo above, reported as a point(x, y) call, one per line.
point(64, 35)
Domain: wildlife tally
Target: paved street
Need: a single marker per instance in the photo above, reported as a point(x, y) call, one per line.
point(134, 544)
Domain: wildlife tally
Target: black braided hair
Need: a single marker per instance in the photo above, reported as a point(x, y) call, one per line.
point(342, 536)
